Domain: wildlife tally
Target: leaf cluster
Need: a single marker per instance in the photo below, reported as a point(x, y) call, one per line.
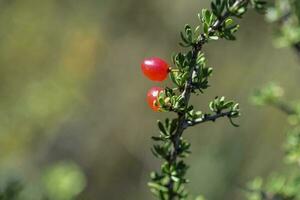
point(174, 171)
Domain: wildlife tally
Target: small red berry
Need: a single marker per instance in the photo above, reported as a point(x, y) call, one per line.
point(152, 97)
point(155, 69)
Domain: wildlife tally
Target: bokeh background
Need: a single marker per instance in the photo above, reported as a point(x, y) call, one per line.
point(73, 115)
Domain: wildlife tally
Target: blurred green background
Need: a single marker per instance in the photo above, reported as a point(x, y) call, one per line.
point(74, 120)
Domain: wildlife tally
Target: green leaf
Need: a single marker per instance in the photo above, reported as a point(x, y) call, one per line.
point(212, 106)
point(184, 45)
point(204, 15)
point(162, 128)
point(174, 178)
point(214, 37)
point(228, 22)
point(228, 104)
point(160, 151)
point(158, 186)
point(173, 126)
point(174, 79)
point(207, 17)
point(205, 28)
point(184, 39)
point(214, 9)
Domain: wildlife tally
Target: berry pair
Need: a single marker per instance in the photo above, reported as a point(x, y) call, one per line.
point(155, 69)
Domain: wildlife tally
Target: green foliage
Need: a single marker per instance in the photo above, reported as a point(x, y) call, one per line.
point(190, 75)
point(61, 181)
point(286, 14)
point(283, 186)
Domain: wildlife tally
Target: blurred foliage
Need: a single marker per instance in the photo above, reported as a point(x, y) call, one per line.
point(286, 15)
point(267, 95)
point(64, 181)
point(277, 188)
point(45, 62)
point(284, 186)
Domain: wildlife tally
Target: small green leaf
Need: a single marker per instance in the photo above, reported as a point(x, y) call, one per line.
point(205, 28)
point(173, 125)
point(157, 186)
point(228, 22)
point(203, 15)
point(214, 37)
point(162, 128)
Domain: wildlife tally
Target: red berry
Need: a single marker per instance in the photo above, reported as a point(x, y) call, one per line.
point(155, 69)
point(152, 97)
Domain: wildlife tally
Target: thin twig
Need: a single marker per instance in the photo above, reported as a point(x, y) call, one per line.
point(208, 118)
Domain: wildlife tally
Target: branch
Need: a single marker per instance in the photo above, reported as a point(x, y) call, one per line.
point(207, 118)
point(284, 107)
point(188, 89)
